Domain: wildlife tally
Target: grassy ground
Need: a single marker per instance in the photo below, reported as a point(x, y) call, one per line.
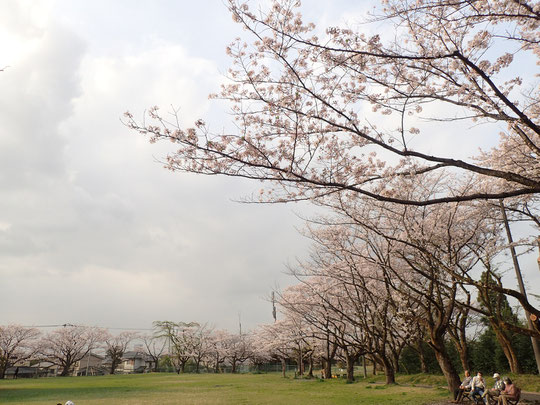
point(205, 389)
point(527, 382)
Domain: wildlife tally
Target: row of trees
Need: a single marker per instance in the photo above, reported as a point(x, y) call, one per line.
point(383, 277)
point(172, 344)
point(62, 347)
point(411, 237)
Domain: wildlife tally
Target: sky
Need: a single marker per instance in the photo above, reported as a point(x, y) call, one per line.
point(93, 229)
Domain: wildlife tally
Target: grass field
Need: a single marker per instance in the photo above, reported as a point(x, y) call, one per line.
point(527, 382)
point(205, 389)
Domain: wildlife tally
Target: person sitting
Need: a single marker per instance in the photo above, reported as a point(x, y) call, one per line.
point(510, 392)
point(493, 393)
point(465, 386)
point(478, 386)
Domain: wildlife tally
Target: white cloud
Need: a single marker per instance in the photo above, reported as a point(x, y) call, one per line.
point(93, 230)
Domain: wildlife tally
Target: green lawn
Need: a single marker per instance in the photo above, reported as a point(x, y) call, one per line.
point(206, 389)
point(527, 382)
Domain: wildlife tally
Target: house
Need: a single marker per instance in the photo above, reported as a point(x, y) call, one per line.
point(29, 369)
point(91, 364)
point(28, 372)
point(134, 362)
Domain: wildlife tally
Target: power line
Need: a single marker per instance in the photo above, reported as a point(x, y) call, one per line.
point(64, 325)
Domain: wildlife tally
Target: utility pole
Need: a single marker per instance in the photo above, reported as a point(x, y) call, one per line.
point(534, 341)
point(239, 323)
point(274, 314)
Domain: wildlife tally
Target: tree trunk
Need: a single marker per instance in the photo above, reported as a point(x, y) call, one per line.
point(300, 362)
point(283, 367)
point(310, 371)
point(395, 362)
point(328, 368)
point(328, 360)
point(508, 350)
point(365, 366)
point(389, 371)
point(422, 356)
point(448, 369)
point(374, 366)
point(464, 357)
point(350, 366)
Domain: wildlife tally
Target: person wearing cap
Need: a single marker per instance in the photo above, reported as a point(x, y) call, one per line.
point(492, 394)
point(70, 403)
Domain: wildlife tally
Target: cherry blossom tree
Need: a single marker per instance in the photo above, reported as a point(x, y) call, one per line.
point(68, 345)
point(217, 353)
point(237, 349)
point(182, 337)
point(428, 254)
point(307, 103)
point(17, 344)
point(276, 341)
point(154, 347)
point(116, 346)
point(310, 316)
point(352, 295)
point(200, 347)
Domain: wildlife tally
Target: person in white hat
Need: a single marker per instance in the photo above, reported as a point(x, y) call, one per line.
point(70, 403)
point(491, 395)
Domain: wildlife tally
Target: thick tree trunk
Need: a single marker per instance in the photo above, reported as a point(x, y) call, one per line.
point(389, 371)
point(283, 368)
point(395, 362)
point(310, 371)
point(448, 369)
point(350, 367)
point(328, 368)
point(300, 362)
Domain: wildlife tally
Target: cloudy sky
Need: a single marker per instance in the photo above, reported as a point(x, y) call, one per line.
point(92, 229)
